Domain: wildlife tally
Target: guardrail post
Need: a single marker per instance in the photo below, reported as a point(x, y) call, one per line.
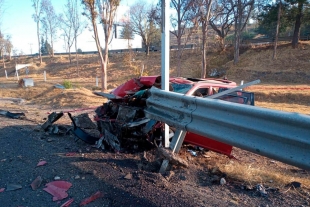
point(177, 140)
point(97, 81)
point(6, 74)
point(44, 75)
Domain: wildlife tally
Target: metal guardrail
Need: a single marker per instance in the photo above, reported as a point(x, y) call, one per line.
point(278, 135)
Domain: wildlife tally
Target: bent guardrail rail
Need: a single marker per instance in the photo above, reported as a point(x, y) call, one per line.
point(278, 135)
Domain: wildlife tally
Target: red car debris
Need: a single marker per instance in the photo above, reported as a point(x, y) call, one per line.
point(121, 119)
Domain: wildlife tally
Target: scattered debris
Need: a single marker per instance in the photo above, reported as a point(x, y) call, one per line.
point(163, 166)
point(58, 189)
point(80, 133)
point(77, 177)
point(70, 154)
point(53, 117)
point(13, 100)
point(93, 197)
point(2, 189)
point(128, 176)
point(56, 178)
point(59, 86)
point(12, 115)
point(261, 189)
point(192, 152)
point(41, 163)
point(112, 140)
point(67, 203)
point(11, 187)
point(222, 181)
point(25, 82)
point(294, 184)
point(36, 183)
point(174, 159)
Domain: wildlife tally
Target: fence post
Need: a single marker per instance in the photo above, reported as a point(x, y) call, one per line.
point(97, 81)
point(6, 74)
point(44, 74)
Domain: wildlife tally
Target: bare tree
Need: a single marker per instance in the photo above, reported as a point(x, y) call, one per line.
point(107, 12)
point(242, 10)
point(77, 27)
point(67, 29)
point(2, 48)
point(51, 20)
point(143, 24)
point(222, 20)
point(36, 4)
point(204, 17)
point(277, 31)
point(180, 22)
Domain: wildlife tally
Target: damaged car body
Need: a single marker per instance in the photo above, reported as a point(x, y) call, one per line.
point(121, 120)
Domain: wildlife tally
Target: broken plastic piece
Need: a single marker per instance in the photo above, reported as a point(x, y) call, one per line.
point(112, 140)
point(192, 152)
point(51, 119)
point(2, 189)
point(36, 183)
point(41, 163)
point(58, 189)
point(67, 203)
point(81, 134)
point(12, 115)
point(11, 187)
point(93, 197)
point(70, 154)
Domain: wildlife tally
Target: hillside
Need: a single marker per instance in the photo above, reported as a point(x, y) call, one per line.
point(291, 69)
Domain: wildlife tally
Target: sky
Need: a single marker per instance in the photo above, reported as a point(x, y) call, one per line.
point(17, 21)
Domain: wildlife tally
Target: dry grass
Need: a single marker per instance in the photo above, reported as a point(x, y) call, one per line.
point(251, 174)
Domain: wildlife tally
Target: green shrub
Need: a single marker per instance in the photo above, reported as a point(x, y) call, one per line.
point(67, 84)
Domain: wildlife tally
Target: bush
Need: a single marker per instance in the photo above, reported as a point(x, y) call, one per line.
point(67, 84)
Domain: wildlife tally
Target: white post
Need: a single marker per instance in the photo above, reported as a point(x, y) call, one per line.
point(97, 82)
point(6, 74)
point(44, 74)
point(165, 52)
point(241, 84)
point(17, 75)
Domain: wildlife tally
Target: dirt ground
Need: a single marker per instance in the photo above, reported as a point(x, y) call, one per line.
point(132, 179)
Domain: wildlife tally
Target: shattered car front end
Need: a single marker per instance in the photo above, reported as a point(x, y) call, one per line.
point(122, 122)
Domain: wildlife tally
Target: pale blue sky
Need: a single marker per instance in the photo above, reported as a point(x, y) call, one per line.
point(17, 21)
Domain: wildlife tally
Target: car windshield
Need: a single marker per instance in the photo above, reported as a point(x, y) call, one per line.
point(181, 88)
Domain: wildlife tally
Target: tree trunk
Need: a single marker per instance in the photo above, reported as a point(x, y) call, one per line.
point(147, 50)
point(179, 70)
point(105, 65)
point(3, 60)
point(204, 62)
point(102, 63)
point(76, 56)
point(52, 45)
point(297, 25)
point(236, 45)
point(237, 33)
point(70, 56)
point(277, 32)
point(38, 34)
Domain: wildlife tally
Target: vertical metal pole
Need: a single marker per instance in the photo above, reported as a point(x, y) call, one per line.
point(44, 74)
point(165, 44)
point(6, 74)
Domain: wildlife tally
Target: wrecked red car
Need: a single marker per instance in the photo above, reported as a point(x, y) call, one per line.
point(122, 120)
